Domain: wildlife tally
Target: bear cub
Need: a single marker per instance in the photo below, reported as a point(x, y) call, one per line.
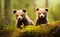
point(41, 14)
point(22, 18)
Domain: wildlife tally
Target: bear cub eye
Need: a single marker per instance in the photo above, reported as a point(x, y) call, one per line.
point(39, 13)
point(17, 15)
point(21, 15)
point(44, 13)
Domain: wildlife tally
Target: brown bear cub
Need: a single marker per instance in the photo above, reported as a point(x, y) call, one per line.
point(22, 18)
point(41, 14)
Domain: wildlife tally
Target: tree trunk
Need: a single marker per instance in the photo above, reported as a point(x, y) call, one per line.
point(0, 11)
point(46, 3)
point(0, 8)
point(7, 12)
point(33, 2)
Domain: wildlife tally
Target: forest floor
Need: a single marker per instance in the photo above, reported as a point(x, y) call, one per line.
point(44, 30)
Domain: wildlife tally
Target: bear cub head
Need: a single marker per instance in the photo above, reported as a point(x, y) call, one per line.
point(20, 14)
point(41, 12)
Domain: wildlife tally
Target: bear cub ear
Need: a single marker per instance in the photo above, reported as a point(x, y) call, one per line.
point(37, 9)
point(14, 11)
point(46, 9)
point(24, 10)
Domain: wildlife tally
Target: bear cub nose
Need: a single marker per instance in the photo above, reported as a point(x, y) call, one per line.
point(41, 16)
point(19, 18)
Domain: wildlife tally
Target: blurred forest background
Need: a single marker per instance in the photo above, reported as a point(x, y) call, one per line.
point(7, 6)
point(7, 16)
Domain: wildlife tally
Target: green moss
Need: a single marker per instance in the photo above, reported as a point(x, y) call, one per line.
point(35, 31)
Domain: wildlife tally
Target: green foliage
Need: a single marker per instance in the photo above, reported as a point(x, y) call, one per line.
point(30, 5)
point(9, 31)
point(28, 31)
point(54, 8)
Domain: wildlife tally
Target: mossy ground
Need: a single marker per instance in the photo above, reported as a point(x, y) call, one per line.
point(29, 31)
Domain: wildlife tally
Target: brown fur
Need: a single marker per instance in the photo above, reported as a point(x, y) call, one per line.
point(41, 21)
point(22, 18)
point(41, 12)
